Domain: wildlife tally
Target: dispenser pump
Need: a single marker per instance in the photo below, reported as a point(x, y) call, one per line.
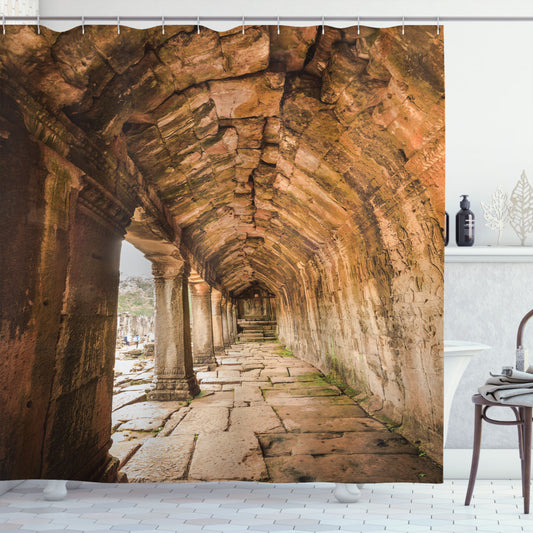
point(465, 202)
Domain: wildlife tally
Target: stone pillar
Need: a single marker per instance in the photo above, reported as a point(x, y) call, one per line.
point(61, 234)
point(218, 338)
point(202, 326)
point(234, 319)
point(229, 311)
point(33, 263)
point(173, 374)
point(225, 326)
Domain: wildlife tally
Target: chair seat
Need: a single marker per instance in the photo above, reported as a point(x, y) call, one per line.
point(477, 399)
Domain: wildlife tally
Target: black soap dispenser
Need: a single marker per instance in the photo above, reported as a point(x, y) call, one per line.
point(464, 224)
point(446, 228)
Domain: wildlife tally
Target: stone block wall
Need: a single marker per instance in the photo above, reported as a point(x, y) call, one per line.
point(377, 326)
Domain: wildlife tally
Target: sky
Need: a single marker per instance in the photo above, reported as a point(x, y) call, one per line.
point(133, 262)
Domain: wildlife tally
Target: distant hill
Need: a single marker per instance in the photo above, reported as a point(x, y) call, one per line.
point(136, 296)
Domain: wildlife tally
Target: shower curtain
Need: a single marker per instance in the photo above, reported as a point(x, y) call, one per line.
point(287, 185)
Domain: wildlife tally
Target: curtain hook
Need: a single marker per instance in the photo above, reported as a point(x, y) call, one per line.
point(198, 24)
point(323, 29)
point(118, 25)
point(38, 25)
point(82, 25)
point(438, 25)
point(243, 24)
point(358, 29)
point(162, 24)
point(278, 24)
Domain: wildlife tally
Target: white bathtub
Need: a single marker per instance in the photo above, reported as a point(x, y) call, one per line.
point(457, 355)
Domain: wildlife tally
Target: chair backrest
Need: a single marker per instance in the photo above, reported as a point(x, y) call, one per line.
point(520, 352)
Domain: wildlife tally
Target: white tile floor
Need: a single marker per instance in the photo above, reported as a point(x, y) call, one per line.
point(259, 507)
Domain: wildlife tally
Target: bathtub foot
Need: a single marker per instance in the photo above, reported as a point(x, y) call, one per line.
point(55, 490)
point(347, 492)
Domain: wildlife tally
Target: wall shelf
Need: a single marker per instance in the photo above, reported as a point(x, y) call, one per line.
point(488, 254)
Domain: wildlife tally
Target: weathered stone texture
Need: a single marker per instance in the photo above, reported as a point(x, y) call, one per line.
point(161, 460)
point(226, 456)
point(30, 303)
point(123, 399)
point(216, 319)
point(78, 227)
point(80, 408)
point(202, 324)
point(343, 442)
point(155, 412)
point(204, 420)
point(259, 419)
point(309, 165)
point(174, 376)
point(302, 438)
point(352, 468)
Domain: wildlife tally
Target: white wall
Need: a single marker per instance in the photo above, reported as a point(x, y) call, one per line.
point(489, 115)
point(489, 102)
point(291, 8)
point(484, 302)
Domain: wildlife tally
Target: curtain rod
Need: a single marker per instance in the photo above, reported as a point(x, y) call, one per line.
point(36, 19)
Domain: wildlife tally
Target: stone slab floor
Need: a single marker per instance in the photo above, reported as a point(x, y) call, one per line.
point(263, 415)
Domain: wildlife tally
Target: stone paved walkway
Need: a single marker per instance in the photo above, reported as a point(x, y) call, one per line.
point(263, 415)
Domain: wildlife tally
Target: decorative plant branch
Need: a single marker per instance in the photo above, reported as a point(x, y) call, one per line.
point(521, 211)
point(497, 212)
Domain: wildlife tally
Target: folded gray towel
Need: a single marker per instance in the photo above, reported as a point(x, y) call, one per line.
point(515, 388)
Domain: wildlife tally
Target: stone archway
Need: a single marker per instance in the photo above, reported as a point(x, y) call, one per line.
point(309, 164)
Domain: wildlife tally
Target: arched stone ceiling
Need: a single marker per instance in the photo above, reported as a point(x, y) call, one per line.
point(262, 147)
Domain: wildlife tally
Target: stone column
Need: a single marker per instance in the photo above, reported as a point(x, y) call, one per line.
point(234, 319)
point(218, 338)
point(202, 326)
point(34, 264)
point(173, 374)
point(225, 326)
point(229, 310)
point(61, 233)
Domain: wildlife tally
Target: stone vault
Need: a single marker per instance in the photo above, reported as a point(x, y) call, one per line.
point(309, 165)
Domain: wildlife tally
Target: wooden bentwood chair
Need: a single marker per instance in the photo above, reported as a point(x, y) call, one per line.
point(523, 423)
point(522, 420)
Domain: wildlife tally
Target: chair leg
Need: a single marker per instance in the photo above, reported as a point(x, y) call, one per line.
point(475, 453)
point(520, 427)
point(526, 480)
